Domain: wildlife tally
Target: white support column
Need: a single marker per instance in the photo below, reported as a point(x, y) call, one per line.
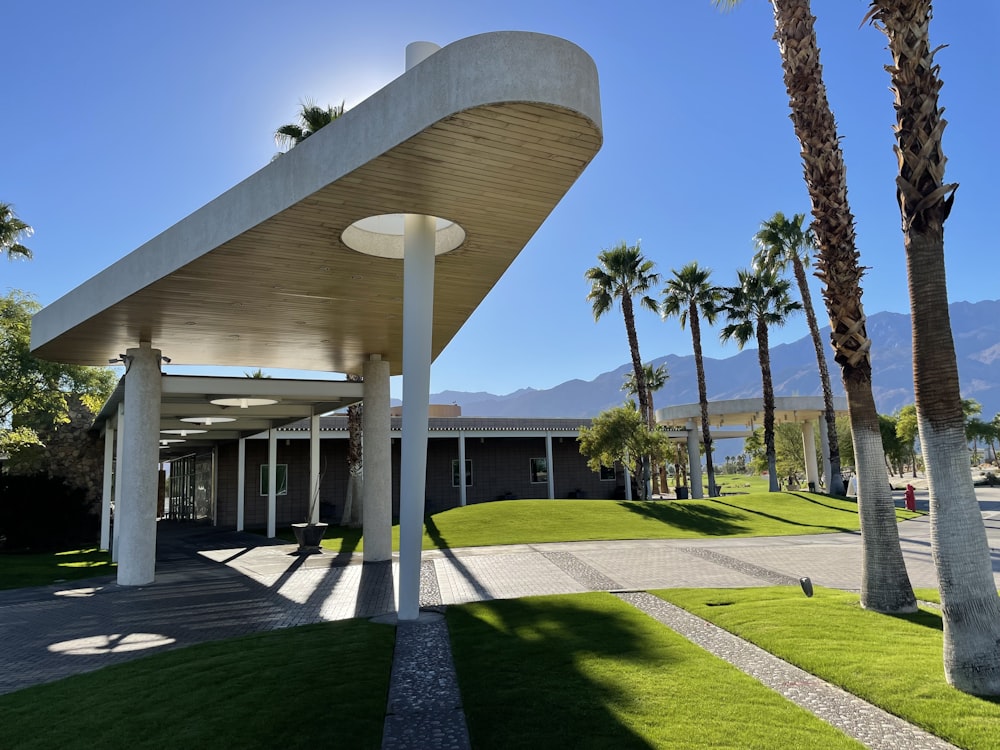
point(809, 450)
point(548, 465)
point(272, 482)
point(376, 457)
point(137, 561)
point(106, 488)
point(241, 483)
point(418, 316)
point(116, 527)
point(694, 462)
point(314, 468)
point(462, 479)
point(824, 449)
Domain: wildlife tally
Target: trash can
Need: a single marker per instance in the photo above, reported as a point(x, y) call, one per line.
point(812, 486)
point(682, 493)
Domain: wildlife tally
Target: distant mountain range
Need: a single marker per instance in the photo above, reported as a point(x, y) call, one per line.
point(976, 329)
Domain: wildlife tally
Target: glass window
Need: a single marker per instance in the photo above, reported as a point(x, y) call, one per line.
point(608, 474)
point(281, 479)
point(455, 481)
point(539, 470)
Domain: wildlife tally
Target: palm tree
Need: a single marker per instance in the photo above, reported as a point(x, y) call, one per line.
point(312, 117)
point(624, 273)
point(759, 301)
point(970, 606)
point(782, 242)
point(655, 380)
point(885, 584)
point(688, 295)
point(12, 231)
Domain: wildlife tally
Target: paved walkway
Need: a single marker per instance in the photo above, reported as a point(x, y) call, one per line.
point(212, 585)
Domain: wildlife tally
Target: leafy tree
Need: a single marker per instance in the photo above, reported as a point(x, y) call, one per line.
point(758, 302)
point(621, 435)
point(782, 242)
point(655, 380)
point(12, 231)
point(895, 451)
point(969, 604)
point(312, 117)
point(623, 274)
point(34, 392)
point(689, 296)
point(845, 441)
point(885, 584)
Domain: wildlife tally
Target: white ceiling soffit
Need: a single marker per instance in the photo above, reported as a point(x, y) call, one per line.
point(489, 132)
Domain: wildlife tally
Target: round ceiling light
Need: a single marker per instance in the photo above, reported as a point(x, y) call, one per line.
point(243, 402)
point(182, 433)
point(208, 421)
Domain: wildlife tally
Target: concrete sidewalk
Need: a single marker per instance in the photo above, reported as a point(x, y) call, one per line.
point(212, 585)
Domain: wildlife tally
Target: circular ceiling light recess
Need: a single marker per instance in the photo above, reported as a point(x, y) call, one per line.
point(382, 236)
point(182, 433)
point(242, 402)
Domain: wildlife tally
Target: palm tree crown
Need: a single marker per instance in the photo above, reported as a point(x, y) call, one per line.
point(312, 117)
point(12, 231)
point(760, 299)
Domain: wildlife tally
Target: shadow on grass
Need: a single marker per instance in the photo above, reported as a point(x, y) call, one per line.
point(703, 519)
point(818, 500)
point(783, 520)
point(543, 660)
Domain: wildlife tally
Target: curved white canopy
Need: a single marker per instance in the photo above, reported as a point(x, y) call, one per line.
point(489, 132)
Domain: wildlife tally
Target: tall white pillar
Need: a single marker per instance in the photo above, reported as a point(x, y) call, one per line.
point(106, 488)
point(241, 483)
point(116, 529)
point(694, 462)
point(548, 466)
point(272, 482)
point(809, 449)
point(824, 449)
point(462, 479)
point(376, 457)
point(314, 468)
point(139, 482)
point(418, 315)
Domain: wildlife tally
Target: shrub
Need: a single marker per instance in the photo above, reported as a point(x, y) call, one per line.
point(40, 513)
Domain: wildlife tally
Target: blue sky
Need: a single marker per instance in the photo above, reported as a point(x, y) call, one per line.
point(122, 118)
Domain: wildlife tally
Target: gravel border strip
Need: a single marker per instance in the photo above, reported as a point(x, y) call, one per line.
point(779, 579)
point(425, 706)
point(581, 572)
point(855, 717)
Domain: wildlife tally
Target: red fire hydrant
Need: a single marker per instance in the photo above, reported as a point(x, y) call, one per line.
point(911, 499)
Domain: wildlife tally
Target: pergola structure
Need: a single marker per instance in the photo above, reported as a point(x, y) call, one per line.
point(362, 250)
point(740, 417)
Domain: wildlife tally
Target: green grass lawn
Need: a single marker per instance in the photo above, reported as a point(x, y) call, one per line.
point(315, 686)
point(893, 662)
point(589, 671)
point(43, 568)
point(536, 521)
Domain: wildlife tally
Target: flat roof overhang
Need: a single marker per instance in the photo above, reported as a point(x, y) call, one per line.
point(739, 417)
point(489, 132)
point(189, 397)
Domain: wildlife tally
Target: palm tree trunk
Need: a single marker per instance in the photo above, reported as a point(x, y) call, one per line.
point(764, 357)
point(834, 482)
point(699, 365)
point(837, 264)
point(642, 393)
point(970, 606)
point(885, 584)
